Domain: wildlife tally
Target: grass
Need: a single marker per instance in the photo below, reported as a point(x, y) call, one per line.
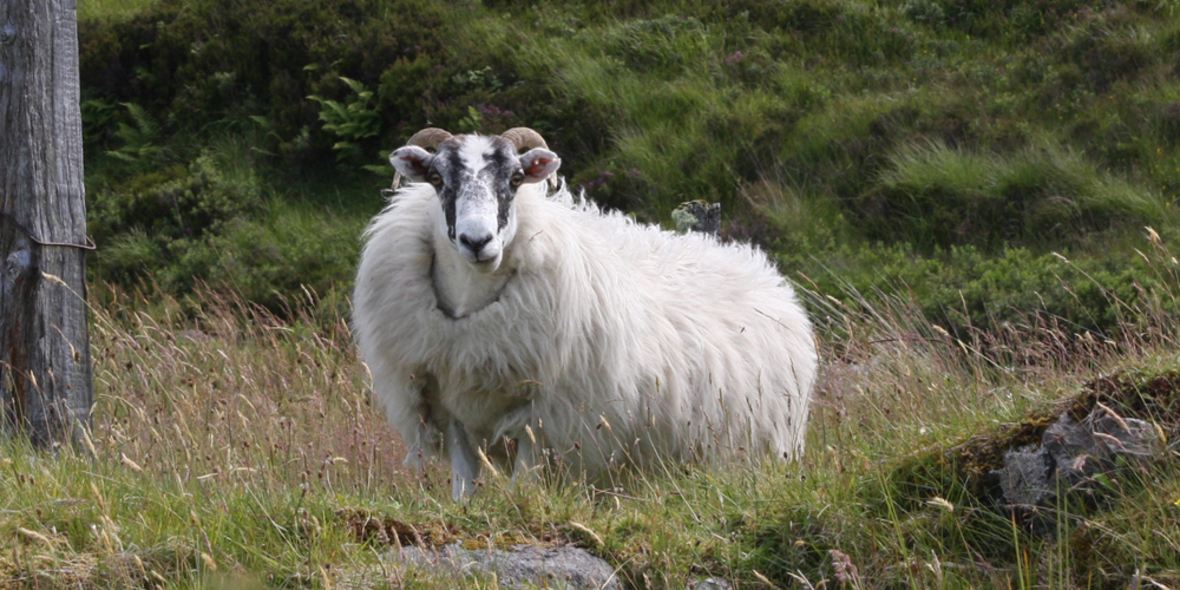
point(1044, 194)
point(233, 448)
point(111, 9)
point(962, 188)
point(221, 442)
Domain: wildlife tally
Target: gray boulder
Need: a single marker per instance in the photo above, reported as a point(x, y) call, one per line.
point(710, 584)
point(1074, 456)
point(521, 566)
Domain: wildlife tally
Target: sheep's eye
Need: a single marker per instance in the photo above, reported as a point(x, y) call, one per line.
point(435, 178)
point(516, 179)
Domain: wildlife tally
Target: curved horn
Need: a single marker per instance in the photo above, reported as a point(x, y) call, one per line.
point(523, 137)
point(429, 138)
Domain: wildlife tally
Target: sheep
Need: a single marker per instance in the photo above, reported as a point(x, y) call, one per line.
point(506, 321)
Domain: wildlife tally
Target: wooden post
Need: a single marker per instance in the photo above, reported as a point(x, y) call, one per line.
point(46, 386)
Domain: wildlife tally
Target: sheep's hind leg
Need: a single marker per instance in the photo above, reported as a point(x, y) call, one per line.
point(464, 461)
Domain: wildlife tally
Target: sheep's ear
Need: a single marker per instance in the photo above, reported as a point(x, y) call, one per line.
point(538, 164)
point(412, 162)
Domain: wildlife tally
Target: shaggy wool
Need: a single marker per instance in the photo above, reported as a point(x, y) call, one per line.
point(613, 342)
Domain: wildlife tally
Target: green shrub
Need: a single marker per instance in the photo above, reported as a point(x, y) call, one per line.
point(964, 288)
point(352, 122)
point(111, 9)
point(195, 201)
point(935, 196)
point(150, 221)
point(402, 93)
point(287, 250)
point(232, 60)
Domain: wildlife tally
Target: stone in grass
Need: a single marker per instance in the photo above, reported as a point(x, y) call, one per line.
point(521, 566)
point(1025, 476)
point(710, 584)
point(1102, 442)
point(698, 216)
point(1072, 455)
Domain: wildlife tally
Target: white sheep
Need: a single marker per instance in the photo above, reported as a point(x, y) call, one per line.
point(497, 318)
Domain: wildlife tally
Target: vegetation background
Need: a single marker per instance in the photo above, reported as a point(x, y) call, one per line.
point(978, 199)
point(940, 147)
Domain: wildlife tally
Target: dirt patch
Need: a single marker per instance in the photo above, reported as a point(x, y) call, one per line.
point(367, 527)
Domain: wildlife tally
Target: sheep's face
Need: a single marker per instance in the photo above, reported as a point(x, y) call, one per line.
point(476, 178)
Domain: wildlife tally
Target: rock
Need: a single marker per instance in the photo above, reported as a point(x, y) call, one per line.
point(1025, 476)
point(522, 566)
point(710, 584)
point(1081, 451)
point(1073, 455)
point(698, 216)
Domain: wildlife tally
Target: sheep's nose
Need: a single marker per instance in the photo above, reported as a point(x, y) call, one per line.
point(475, 244)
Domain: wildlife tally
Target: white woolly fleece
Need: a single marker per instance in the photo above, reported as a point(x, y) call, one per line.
point(615, 343)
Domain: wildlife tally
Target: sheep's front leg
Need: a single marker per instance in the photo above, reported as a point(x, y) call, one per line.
point(407, 400)
point(464, 461)
point(416, 453)
point(526, 459)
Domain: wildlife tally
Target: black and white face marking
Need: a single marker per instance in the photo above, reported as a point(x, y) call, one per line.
point(476, 178)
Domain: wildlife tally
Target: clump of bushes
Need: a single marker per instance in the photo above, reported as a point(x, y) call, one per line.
point(934, 196)
point(965, 288)
point(209, 223)
point(231, 61)
point(176, 202)
point(154, 219)
point(290, 251)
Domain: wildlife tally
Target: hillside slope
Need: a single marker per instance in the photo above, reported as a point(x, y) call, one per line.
point(944, 148)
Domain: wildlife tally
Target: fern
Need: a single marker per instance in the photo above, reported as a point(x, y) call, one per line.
point(350, 121)
point(140, 138)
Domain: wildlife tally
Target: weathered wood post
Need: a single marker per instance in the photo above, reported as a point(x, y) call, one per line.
point(46, 387)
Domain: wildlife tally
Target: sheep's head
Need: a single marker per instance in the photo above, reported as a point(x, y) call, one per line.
point(476, 178)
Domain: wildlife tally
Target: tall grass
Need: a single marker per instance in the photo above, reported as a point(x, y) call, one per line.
point(219, 441)
point(111, 9)
point(1044, 193)
point(234, 447)
point(284, 394)
point(905, 150)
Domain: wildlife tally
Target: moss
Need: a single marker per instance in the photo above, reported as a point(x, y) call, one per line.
point(1154, 397)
